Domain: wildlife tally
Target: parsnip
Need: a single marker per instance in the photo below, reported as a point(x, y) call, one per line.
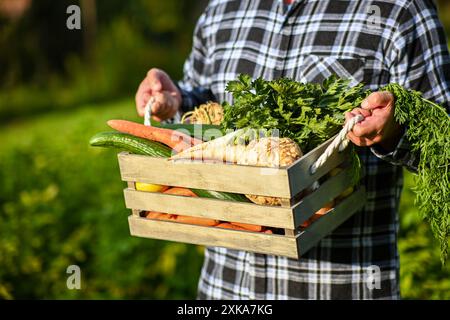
point(262, 152)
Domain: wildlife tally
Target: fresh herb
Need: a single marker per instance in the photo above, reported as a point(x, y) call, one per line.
point(311, 113)
point(307, 113)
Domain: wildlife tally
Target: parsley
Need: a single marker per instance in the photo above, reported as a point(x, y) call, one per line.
point(307, 113)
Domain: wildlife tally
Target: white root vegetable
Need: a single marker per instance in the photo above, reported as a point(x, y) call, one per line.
point(262, 152)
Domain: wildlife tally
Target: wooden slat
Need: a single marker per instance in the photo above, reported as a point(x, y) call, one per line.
point(328, 191)
point(299, 172)
point(278, 217)
point(213, 236)
point(132, 186)
point(325, 225)
point(209, 176)
point(290, 231)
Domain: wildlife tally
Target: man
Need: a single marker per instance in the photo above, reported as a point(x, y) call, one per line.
point(375, 42)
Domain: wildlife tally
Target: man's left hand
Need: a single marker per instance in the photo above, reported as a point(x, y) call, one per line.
point(379, 126)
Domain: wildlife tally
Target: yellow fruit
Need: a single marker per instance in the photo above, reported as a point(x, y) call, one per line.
point(346, 193)
point(148, 187)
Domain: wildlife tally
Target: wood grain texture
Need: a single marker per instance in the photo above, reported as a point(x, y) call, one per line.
point(278, 217)
point(327, 191)
point(299, 174)
point(213, 236)
point(208, 176)
point(333, 219)
point(132, 186)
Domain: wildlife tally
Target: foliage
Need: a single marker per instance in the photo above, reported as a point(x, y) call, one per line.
point(421, 274)
point(428, 131)
point(61, 203)
point(63, 74)
point(308, 113)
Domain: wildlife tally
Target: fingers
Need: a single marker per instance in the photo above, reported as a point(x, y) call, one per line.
point(142, 97)
point(379, 99)
point(365, 113)
point(152, 84)
point(155, 79)
point(165, 105)
point(362, 141)
point(159, 85)
point(364, 133)
point(377, 110)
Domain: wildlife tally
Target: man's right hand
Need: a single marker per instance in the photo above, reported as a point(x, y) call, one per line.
point(157, 84)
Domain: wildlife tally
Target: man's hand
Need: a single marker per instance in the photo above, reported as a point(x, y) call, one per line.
point(157, 84)
point(379, 125)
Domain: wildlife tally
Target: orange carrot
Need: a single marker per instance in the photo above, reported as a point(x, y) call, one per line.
point(319, 213)
point(227, 225)
point(198, 221)
point(180, 192)
point(251, 227)
point(174, 139)
point(160, 216)
point(182, 219)
point(327, 207)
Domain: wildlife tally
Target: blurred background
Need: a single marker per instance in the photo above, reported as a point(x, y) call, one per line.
point(61, 201)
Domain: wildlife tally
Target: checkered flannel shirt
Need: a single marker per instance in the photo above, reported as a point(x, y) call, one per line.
point(374, 42)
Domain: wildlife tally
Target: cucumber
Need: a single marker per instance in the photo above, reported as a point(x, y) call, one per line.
point(142, 146)
point(220, 195)
point(130, 143)
point(203, 132)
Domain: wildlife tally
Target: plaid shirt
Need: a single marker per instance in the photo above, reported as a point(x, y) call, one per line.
point(374, 42)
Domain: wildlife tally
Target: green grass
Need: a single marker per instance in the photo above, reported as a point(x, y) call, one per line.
point(61, 203)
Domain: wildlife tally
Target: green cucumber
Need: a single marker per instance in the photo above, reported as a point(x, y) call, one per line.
point(203, 132)
point(142, 146)
point(220, 195)
point(130, 143)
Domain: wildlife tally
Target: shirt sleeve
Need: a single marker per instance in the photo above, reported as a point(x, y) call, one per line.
point(194, 86)
point(418, 58)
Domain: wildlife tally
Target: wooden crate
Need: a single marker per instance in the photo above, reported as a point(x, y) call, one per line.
point(286, 183)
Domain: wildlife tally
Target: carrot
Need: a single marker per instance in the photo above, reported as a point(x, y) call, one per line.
point(319, 213)
point(242, 227)
point(327, 207)
point(159, 216)
point(180, 192)
point(251, 227)
point(227, 225)
point(174, 139)
point(198, 221)
point(182, 219)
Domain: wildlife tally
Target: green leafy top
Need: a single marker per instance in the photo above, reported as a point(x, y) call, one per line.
point(428, 131)
point(307, 113)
